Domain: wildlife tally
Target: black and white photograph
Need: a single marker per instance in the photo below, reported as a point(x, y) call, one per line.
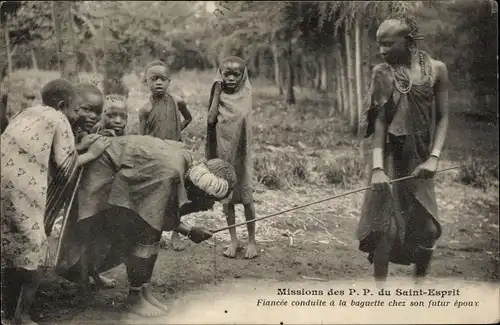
point(249, 162)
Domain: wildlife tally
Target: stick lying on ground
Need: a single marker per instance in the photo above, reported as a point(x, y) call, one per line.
point(322, 200)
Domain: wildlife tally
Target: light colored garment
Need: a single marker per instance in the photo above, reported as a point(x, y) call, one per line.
point(37, 144)
point(161, 119)
point(231, 139)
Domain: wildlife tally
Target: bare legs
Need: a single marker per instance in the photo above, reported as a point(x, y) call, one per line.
point(235, 243)
point(420, 240)
point(21, 286)
point(251, 251)
point(140, 267)
point(382, 254)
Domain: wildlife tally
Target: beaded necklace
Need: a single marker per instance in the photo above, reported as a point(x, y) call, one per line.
point(397, 82)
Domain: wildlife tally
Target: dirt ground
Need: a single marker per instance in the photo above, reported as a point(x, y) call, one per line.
point(325, 250)
point(311, 244)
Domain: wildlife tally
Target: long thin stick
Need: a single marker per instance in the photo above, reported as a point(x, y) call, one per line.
point(320, 201)
point(66, 215)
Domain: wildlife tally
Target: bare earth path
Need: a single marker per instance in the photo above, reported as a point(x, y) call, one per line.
point(324, 249)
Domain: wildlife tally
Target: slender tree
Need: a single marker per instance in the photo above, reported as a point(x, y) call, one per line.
point(66, 47)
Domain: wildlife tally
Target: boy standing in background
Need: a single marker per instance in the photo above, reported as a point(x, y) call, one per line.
point(160, 117)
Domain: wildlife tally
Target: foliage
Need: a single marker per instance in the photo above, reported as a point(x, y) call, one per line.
point(479, 173)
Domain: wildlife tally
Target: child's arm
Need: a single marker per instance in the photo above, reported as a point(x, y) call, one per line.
point(430, 166)
point(85, 142)
point(143, 111)
point(213, 111)
point(379, 177)
point(441, 91)
point(96, 149)
point(185, 114)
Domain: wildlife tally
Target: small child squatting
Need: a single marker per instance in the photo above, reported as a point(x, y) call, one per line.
point(229, 137)
point(89, 114)
point(160, 116)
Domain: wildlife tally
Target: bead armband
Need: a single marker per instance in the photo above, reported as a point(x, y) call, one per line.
point(435, 153)
point(378, 159)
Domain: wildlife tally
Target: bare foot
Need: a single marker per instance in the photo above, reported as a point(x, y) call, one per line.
point(177, 244)
point(103, 282)
point(148, 295)
point(251, 251)
point(137, 304)
point(231, 250)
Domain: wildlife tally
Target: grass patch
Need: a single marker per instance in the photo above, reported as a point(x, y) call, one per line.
point(279, 171)
point(345, 171)
point(479, 173)
point(285, 169)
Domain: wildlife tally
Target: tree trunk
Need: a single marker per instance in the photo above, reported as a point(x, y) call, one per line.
point(343, 84)
point(323, 71)
point(277, 72)
point(93, 62)
point(34, 61)
point(63, 26)
point(338, 85)
point(317, 74)
point(303, 72)
point(283, 75)
point(115, 62)
point(358, 66)
point(7, 49)
point(3, 92)
point(262, 64)
point(290, 95)
point(350, 80)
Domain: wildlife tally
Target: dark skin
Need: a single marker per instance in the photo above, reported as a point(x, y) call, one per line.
point(199, 201)
point(115, 117)
point(232, 71)
point(87, 115)
point(232, 75)
point(394, 49)
point(30, 279)
point(90, 110)
point(158, 79)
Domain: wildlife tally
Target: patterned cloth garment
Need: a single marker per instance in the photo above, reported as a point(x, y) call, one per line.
point(36, 143)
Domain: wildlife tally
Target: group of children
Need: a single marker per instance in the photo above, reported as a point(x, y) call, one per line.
point(69, 126)
point(408, 118)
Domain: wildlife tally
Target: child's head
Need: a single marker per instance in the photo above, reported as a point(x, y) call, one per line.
point(115, 114)
point(232, 69)
point(90, 109)
point(60, 94)
point(157, 77)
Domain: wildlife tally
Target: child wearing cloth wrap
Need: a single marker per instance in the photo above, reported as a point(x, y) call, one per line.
point(400, 225)
point(161, 116)
point(39, 161)
point(229, 137)
point(138, 188)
